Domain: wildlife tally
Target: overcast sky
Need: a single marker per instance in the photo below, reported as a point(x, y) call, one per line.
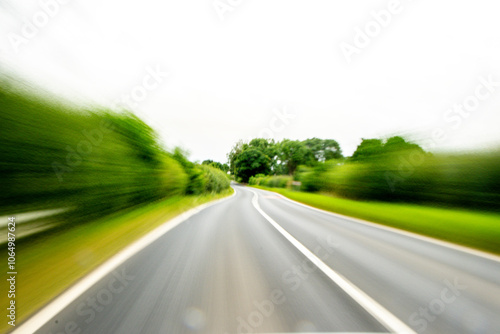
point(344, 70)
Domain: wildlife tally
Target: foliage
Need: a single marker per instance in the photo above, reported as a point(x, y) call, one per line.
point(216, 180)
point(283, 157)
point(95, 161)
point(324, 149)
point(406, 173)
point(196, 181)
point(368, 149)
point(222, 167)
point(309, 178)
point(293, 153)
point(236, 150)
point(384, 170)
point(280, 181)
point(251, 162)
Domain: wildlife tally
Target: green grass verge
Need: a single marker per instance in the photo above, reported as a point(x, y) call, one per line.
point(475, 229)
point(48, 266)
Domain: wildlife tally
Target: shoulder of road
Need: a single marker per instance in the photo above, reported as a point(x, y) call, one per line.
point(475, 232)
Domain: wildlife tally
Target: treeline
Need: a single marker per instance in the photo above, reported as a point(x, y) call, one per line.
point(382, 170)
point(265, 156)
point(95, 161)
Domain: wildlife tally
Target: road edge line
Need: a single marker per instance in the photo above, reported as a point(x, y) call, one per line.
point(47, 312)
point(386, 318)
point(443, 243)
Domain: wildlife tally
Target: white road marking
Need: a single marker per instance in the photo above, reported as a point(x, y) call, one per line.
point(40, 318)
point(25, 217)
point(390, 321)
point(272, 197)
point(438, 242)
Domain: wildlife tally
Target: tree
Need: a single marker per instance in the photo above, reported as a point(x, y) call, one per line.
point(285, 156)
point(323, 149)
point(216, 164)
point(294, 153)
point(232, 156)
point(398, 144)
point(369, 149)
point(269, 148)
point(316, 147)
point(331, 149)
point(251, 162)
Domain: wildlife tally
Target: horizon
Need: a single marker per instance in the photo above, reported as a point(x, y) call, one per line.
point(431, 84)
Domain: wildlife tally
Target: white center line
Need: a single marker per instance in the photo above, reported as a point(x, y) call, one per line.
point(386, 318)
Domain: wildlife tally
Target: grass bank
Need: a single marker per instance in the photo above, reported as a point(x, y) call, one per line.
point(475, 229)
point(47, 266)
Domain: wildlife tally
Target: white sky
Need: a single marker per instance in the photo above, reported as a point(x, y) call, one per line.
point(227, 77)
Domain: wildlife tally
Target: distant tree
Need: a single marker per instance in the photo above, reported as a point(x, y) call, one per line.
point(285, 156)
point(324, 149)
point(315, 145)
point(269, 148)
point(233, 155)
point(331, 149)
point(216, 164)
point(373, 149)
point(398, 144)
point(294, 153)
point(368, 149)
point(251, 162)
point(266, 146)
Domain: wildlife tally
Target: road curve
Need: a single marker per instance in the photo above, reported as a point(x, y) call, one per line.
point(228, 269)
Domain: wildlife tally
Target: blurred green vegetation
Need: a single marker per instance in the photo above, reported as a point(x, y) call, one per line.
point(278, 181)
point(204, 178)
point(411, 175)
point(393, 170)
point(91, 160)
point(216, 179)
point(216, 164)
point(265, 156)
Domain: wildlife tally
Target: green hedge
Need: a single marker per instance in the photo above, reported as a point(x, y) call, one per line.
point(468, 180)
point(95, 161)
point(279, 181)
point(215, 179)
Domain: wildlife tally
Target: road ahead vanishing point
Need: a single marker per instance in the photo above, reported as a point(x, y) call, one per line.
point(257, 262)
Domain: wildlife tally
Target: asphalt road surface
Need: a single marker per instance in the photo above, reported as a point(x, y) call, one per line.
point(259, 263)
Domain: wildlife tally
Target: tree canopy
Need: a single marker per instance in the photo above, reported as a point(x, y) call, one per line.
point(374, 149)
point(251, 162)
point(266, 156)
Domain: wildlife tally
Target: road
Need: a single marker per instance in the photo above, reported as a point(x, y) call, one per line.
point(257, 262)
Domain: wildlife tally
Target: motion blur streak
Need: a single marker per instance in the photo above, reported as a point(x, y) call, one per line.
point(86, 162)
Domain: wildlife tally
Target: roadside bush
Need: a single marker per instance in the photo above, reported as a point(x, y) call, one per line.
point(257, 179)
point(467, 180)
point(279, 181)
point(471, 180)
point(174, 178)
point(196, 181)
point(215, 179)
point(95, 161)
